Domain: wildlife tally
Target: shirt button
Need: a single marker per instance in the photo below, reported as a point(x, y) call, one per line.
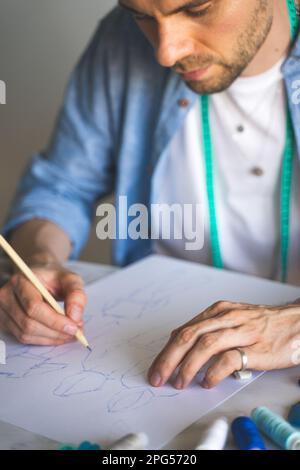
point(257, 171)
point(240, 128)
point(183, 103)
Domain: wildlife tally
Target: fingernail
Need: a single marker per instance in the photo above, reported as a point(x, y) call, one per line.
point(76, 313)
point(178, 383)
point(155, 379)
point(70, 329)
point(204, 384)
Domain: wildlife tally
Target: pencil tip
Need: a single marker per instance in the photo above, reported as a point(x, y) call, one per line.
point(89, 348)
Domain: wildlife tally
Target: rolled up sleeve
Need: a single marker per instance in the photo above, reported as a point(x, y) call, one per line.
point(63, 183)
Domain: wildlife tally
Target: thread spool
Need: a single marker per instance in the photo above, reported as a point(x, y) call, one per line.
point(276, 428)
point(137, 441)
point(246, 434)
point(294, 415)
point(67, 447)
point(85, 445)
point(215, 436)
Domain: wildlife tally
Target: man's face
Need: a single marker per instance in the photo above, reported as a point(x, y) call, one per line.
point(208, 42)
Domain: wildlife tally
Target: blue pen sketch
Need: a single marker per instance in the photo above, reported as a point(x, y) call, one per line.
point(76, 372)
point(130, 400)
point(133, 390)
point(87, 380)
point(80, 383)
point(134, 393)
point(151, 340)
point(137, 303)
point(29, 361)
point(150, 297)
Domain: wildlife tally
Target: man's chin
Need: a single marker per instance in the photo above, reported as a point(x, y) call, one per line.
point(215, 83)
point(207, 87)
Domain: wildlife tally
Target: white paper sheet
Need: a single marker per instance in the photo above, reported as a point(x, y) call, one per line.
point(69, 394)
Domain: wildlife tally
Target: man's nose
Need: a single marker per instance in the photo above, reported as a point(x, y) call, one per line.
point(172, 46)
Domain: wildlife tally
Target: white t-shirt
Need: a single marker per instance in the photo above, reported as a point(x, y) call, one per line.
point(247, 205)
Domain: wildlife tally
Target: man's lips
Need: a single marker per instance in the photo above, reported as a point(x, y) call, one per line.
point(195, 75)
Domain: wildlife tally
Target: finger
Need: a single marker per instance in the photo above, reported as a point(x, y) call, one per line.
point(36, 309)
point(182, 341)
point(12, 328)
point(225, 365)
point(208, 320)
point(7, 299)
point(219, 307)
point(41, 341)
point(171, 355)
point(72, 288)
point(207, 347)
point(31, 327)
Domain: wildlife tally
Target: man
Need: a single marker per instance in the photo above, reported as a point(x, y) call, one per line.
point(167, 91)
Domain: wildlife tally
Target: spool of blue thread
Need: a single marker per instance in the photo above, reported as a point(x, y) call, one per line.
point(246, 434)
point(294, 415)
point(276, 428)
point(85, 445)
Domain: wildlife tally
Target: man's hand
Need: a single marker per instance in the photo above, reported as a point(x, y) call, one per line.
point(25, 315)
point(267, 334)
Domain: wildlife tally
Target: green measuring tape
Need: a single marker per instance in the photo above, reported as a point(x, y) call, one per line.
point(286, 176)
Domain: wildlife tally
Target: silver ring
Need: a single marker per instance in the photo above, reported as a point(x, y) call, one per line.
point(244, 359)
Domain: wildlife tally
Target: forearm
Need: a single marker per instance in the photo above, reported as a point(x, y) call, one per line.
point(41, 241)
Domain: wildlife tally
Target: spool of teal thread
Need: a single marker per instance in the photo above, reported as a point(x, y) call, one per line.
point(276, 428)
point(85, 445)
point(67, 447)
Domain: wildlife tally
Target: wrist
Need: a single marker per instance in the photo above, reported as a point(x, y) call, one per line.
point(41, 242)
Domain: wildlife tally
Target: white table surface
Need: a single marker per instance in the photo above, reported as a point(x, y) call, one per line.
point(278, 390)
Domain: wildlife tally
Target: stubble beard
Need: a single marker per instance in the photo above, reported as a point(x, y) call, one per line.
point(247, 45)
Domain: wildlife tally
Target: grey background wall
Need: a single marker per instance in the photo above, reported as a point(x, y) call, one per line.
point(40, 42)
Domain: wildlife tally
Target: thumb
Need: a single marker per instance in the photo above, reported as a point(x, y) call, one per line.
point(72, 288)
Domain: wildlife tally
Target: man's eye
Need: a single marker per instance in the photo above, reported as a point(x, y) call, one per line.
point(196, 12)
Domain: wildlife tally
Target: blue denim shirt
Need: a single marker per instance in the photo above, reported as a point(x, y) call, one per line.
point(121, 110)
